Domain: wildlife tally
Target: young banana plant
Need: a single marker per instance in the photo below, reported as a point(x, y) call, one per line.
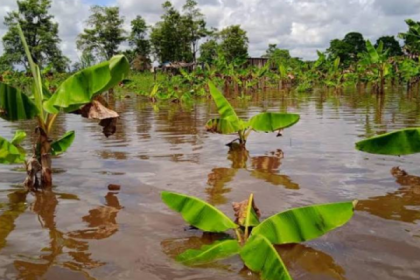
point(77, 94)
point(229, 122)
point(255, 239)
point(376, 60)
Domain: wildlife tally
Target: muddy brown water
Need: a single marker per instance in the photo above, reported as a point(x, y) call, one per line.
point(80, 230)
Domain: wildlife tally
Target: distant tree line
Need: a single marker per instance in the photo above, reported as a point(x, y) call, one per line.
point(180, 35)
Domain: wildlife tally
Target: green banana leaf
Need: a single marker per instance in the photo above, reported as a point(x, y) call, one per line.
point(400, 142)
point(224, 108)
point(198, 213)
point(9, 153)
point(82, 87)
point(19, 137)
point(269, 122)
point(260, 256)
point(251, 217)
point(209, 253)
point(373, 54)
point(305, 223)
point(61, 145)
point(15, 105)
point(223, 126)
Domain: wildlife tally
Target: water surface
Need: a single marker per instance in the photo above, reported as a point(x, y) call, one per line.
point(80, 230)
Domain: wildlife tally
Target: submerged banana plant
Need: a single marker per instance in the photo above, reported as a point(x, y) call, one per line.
point(255, 239)
point(80, 94)
point(229, 122)
point(400, 142)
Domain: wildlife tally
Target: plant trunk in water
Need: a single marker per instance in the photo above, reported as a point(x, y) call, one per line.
point(39, 163)
point(45, 158)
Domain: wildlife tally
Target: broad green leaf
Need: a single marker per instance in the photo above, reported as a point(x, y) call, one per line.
point(198, 213)
point(283, 71)
point(224, 108)
point(14, 105)
point(209, 253)
point(269, 122)
point(336, 64)
point(154, 90)
point(9, 153)
point(38, 94)
point(80, 88)
point(19, 137)
point(305, 223)
point(222, 126)
point(260, 256)
point(61, 145)
point(400, 142)
point(252, 219)
point(374, 56)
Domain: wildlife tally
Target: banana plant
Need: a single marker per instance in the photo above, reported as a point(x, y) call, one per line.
point(376, 60)
point(79, 93)
point(229, 122)
point(254, 239)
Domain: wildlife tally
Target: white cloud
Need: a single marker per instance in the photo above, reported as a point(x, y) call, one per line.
point(302, 26)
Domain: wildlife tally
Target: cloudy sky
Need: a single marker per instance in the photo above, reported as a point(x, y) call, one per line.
point(303, 26)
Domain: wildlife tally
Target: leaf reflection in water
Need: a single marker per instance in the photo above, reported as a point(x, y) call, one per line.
point(67, 250)
point(261, 167)
point(401, 205)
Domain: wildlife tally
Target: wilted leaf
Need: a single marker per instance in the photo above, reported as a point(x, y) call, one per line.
point(95, 110)
point(241, 210)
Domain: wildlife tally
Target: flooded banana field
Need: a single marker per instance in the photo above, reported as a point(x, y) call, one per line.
point(80, 229)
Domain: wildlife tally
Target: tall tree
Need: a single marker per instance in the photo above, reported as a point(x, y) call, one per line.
point(412, 37)
point(390, 44)
point(41, 34)
point(106, 32)
point(276, 54)
point(138, 37)
point(348, 48)
point(208, 51)
point(234, 42)
point(170, 38)
point(195, 25)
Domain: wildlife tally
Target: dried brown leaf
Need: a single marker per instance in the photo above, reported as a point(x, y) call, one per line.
point(240, 209)
point(95, 110)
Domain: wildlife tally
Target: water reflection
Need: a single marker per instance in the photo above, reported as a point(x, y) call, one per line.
point(304, 260)
point(10, 212)
point(69, 250)
point(401, 205)
point(261, 167)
